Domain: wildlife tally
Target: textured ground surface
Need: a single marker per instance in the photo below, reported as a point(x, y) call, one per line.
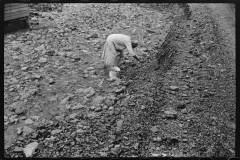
point(179, 102)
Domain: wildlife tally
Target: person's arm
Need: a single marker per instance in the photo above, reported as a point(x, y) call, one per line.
point(130, 50)
point(136, 57)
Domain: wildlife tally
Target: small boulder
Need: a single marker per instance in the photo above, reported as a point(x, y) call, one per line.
point(92, 107)
point(19, 111)
point(18, 149)
point(30, 148)
point(42, 60)
point(27, 130)
point(56, 131)
point(154, 129)
point(184, 111)
point(78, 106)
point(150, 31)
point(181, 105)
point(28, 121)
point(98, 109)
point(171, 114)
point(173, 88)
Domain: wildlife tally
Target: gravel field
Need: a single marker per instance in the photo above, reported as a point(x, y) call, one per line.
point(180, 102)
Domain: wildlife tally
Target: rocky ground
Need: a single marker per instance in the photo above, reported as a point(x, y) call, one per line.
point(179, 102)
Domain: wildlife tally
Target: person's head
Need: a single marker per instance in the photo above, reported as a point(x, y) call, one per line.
point(134, 43)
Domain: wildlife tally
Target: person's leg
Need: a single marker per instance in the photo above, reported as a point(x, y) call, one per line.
point(119, 58)
point(117, 62)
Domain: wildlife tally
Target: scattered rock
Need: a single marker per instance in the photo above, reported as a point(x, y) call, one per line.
point(67, 30)
point(117, 111)
point(171, 114)
point(184, 140)
point(80, 131)
point(143, 49)
point(207, 94)
point(85, 76)
point(92, 36)
point(98, 109)
point(115, 151)
point(143, 107)
point(59, 118)
point(24, 68)
point(34, 135)
point(102, 154)
point(231, 125)
point(69, 54)
point(11, 89)
point(156, 155)
point(90, 68)
point(98, 100)
point(180, 125)
point(110, 108)
point(157, 139)
point(185, 131)
point(19, 111)
point(150, 31)
point(93, 73)
point(110, 100)
point(56, 131)
point(35, 117)
point(88, 91)
point(136, 145)
point(111, 112)
point(50, 145)
point(13, 119)
point(30, 148)
point(20, 138)
point(72, 116)
point(120, 90)
point(184, 111)
point(134, 31)
point(173, 88)
point(39, 48)
point(154, 129)
point(19, 130)
point(232, 151)
point(64, 101)
point(27, 130)
point(18, 149)
point(29, 121)
point(51, 81)
point(42, 60)
point(36, 76)
point(164, 154)
point(105, 107)
point(78, 106)
point(181, 105)
point(50, 53)
point(92, 107)
point(62, 54)
point(184, 95)
point(119, 124)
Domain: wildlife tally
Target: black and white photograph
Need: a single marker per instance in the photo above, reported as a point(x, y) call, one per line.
point(119, 80)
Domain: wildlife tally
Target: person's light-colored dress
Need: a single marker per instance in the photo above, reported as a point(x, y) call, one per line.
point(113, 47)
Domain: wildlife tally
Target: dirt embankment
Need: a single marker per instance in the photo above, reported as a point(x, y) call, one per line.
point(195, 79)
point(204, 61)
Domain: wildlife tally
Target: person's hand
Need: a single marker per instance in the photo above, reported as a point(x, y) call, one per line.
point(136, 57)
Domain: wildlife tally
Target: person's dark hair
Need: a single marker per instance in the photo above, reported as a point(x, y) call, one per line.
point(134, 44)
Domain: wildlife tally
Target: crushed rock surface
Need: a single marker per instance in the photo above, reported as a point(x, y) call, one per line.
point(56, 94)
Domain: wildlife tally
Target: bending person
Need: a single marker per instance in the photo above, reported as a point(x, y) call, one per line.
point(113, 52)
